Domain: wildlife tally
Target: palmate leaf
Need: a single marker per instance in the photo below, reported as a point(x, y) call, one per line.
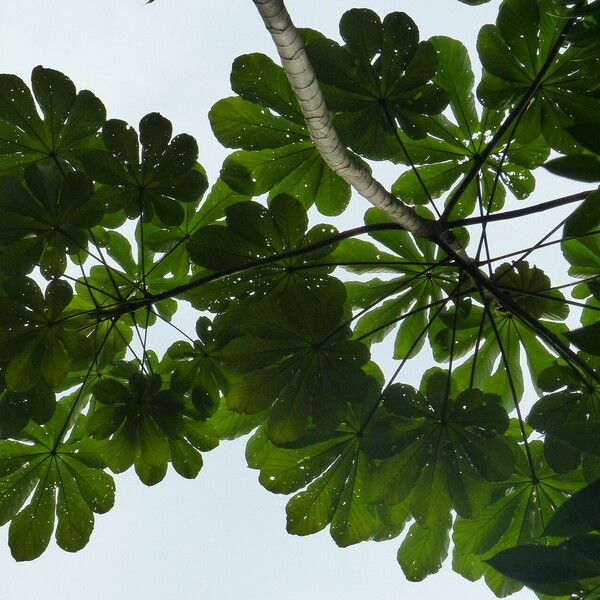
point(138, 419)
point(254, 232)
point(494, 365)
point(197, 367)
point(334, 472)
point(40, 225)
point(522, 508)
point(513, 52)
point(65, 487)
point(583, 254)
point(147, 425)
point(584, 436)
point(291, 354)
point(451, 148)
point(585, 33)
point(67, 129)
point(381, 76)
point(574, 565)
point(435, 449)
point(37, 337)
point(494, 341)
point(331, 474)
point(584, 133)
point(422, 281)
point(169, 243)
point(155, 181)
point(531, 288)
point(140, 270)
point(277, 154)
point(573, 400)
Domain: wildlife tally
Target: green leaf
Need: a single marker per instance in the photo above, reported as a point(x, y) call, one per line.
point(40, 342)
point(452, 148)
point(277, 154)
point(428, 181)
point(30, 530)
point(579, 514)
point(56, 210)
point(198, 366)
point(231, 425)
point(424, 550)
point(405, 298)
point(153, 444)
point(294, 357)
point(435, 448)
point(381, 76)
point(75, 520)
point(95, 486)
point(572, 410)
point(453, 61)
point(186, 460)
point(584, 133)
point(63, 485)
point(586, 338)
point(497, 57)
point(530, 287)
point(504, 340)
point(256, 78)
point(585, 436)
point(541, 566)
point(159, 181)
point(585, 217)
point(238, 123)
point(514, 51)
point(581, 167)
point(583, 254)
point(137, 420)
point(333, 472)
point(16, 408)
point(518, 514)
point(205, 403)
point(254, 232)
point(66, 130)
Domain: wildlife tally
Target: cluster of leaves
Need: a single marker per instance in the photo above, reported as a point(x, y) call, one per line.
point(69, 179)
point(104, 228)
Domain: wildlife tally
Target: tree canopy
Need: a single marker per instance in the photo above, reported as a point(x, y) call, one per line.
point(107, 228)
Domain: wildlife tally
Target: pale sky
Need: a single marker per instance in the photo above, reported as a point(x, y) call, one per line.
point(221, 536)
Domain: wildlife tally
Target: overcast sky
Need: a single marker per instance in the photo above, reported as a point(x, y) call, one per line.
point(221, 536)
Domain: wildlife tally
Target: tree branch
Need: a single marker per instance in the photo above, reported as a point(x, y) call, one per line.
point(304, 84)
point(521, 212)
point(127, 306)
